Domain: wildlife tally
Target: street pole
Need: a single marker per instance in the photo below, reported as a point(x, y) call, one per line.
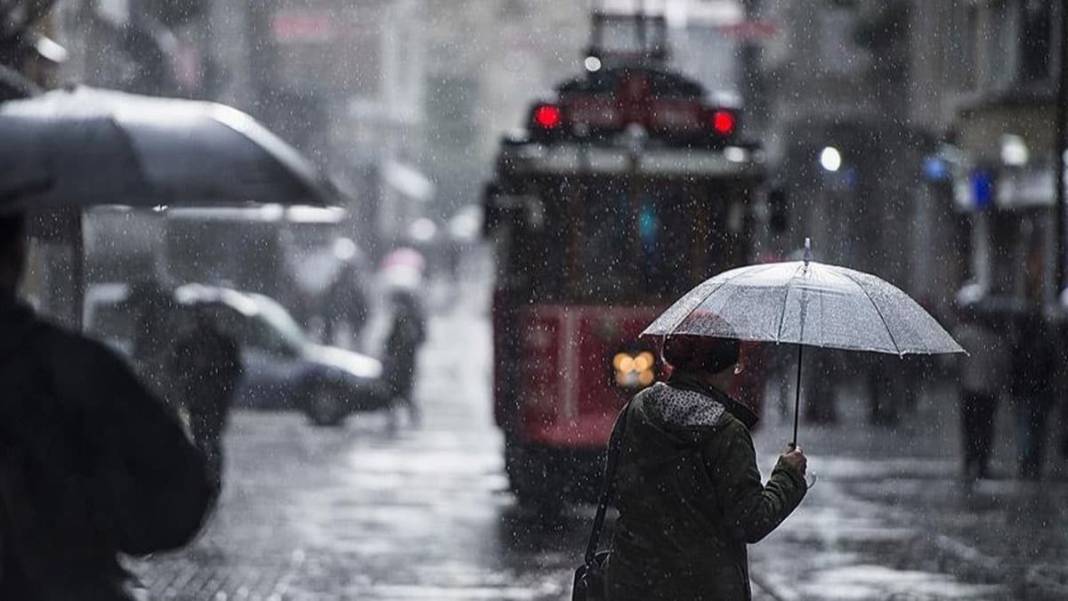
point(1059, 146)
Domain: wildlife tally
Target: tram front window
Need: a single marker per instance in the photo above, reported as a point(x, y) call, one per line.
point(630, 246)
point(605, 242)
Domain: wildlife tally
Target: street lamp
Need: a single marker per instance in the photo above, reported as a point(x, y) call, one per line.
point(831, 159)
point(1014, 152)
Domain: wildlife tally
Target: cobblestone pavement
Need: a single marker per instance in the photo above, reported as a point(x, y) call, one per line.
point(362, 513)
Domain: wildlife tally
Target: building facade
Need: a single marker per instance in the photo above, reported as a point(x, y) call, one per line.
point(1003, 115)
point(851, 97)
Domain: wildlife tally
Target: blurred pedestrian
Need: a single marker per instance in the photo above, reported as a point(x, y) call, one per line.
point(1060, 380)
point(1033, 367)
point(153, 310)
point(407, 332)
point(982, 377)
point(91, 464)
point(1064, 428)
point(687, 486)
point(884, 390)
point(822, 369)
point(345, 306)
point(206, 364)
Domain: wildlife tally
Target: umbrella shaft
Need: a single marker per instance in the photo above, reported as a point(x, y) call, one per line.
point(797, 395)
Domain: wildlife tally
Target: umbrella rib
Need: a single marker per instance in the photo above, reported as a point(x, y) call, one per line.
point(821, 320)
point(312, 182)
point(707, 296)
point(785, 297)
point(135, 158)
point(876, 307)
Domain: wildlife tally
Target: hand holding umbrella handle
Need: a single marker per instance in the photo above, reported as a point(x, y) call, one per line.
point(796, 459)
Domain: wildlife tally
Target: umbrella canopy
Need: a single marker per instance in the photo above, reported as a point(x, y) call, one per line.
point(807, 303)
point(83, 146)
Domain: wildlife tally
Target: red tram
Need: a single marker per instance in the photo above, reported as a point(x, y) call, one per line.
point(627, 189)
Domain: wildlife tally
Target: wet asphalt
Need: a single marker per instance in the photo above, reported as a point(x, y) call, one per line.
point(372, 512)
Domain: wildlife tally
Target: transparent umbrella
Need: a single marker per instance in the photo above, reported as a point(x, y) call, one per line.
point(808, 304)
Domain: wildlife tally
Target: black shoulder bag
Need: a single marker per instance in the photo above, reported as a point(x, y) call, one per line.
point(589, 577)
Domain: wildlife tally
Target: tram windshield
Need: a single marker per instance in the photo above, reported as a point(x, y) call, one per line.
point(606, 240)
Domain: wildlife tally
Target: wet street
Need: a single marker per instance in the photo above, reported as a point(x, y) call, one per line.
point(247, 201)
point(362, 512)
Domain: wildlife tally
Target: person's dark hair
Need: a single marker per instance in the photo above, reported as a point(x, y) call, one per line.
point(700, 353)
point(12, 229)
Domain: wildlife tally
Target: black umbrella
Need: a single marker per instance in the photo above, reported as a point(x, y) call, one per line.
point(83, 147)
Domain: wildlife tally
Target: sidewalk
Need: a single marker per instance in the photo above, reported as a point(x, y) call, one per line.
point(888, 517)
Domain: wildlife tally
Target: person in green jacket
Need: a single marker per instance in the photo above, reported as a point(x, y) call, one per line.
point(688, 490)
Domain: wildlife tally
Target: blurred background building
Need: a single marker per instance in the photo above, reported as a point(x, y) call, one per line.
point(911, 138)
point(914, 139)
point(1003, 124)
point(850, 97)
point(401, 101)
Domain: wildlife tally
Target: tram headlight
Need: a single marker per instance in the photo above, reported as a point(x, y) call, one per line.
point(644, 362)
point(634, 370)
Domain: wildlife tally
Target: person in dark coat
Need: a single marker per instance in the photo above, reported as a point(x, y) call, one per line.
point(1061, 378)
point(153, 308)
point(206, 364)
point(688, 489)
point(91, 464)
point(982, 374)
point(1033, 366)
point(407, 332)
point(346, 303)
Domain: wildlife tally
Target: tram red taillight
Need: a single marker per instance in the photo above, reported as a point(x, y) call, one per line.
point(548, 116)
point(723, 122)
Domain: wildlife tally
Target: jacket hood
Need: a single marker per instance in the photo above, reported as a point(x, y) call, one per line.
point(683, 416)
point(685, 410)
point(16, 322)
point(740, 411)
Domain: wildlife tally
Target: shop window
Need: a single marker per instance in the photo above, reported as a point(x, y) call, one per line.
point(997, 35)
point(1016, 44)
point(966, 47)
point(1036, 42)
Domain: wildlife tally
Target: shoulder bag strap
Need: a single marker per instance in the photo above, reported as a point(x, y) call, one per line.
point(615, 443)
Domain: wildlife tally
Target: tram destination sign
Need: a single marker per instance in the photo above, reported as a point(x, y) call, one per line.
point(563, 159)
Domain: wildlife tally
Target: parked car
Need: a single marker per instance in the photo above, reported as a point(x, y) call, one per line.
point(283, 368)
point(105, 315)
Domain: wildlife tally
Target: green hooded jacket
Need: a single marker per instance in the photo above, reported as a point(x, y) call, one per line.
point(690, 497)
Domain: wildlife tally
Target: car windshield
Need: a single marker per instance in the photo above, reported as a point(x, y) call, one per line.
point(280, 322)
